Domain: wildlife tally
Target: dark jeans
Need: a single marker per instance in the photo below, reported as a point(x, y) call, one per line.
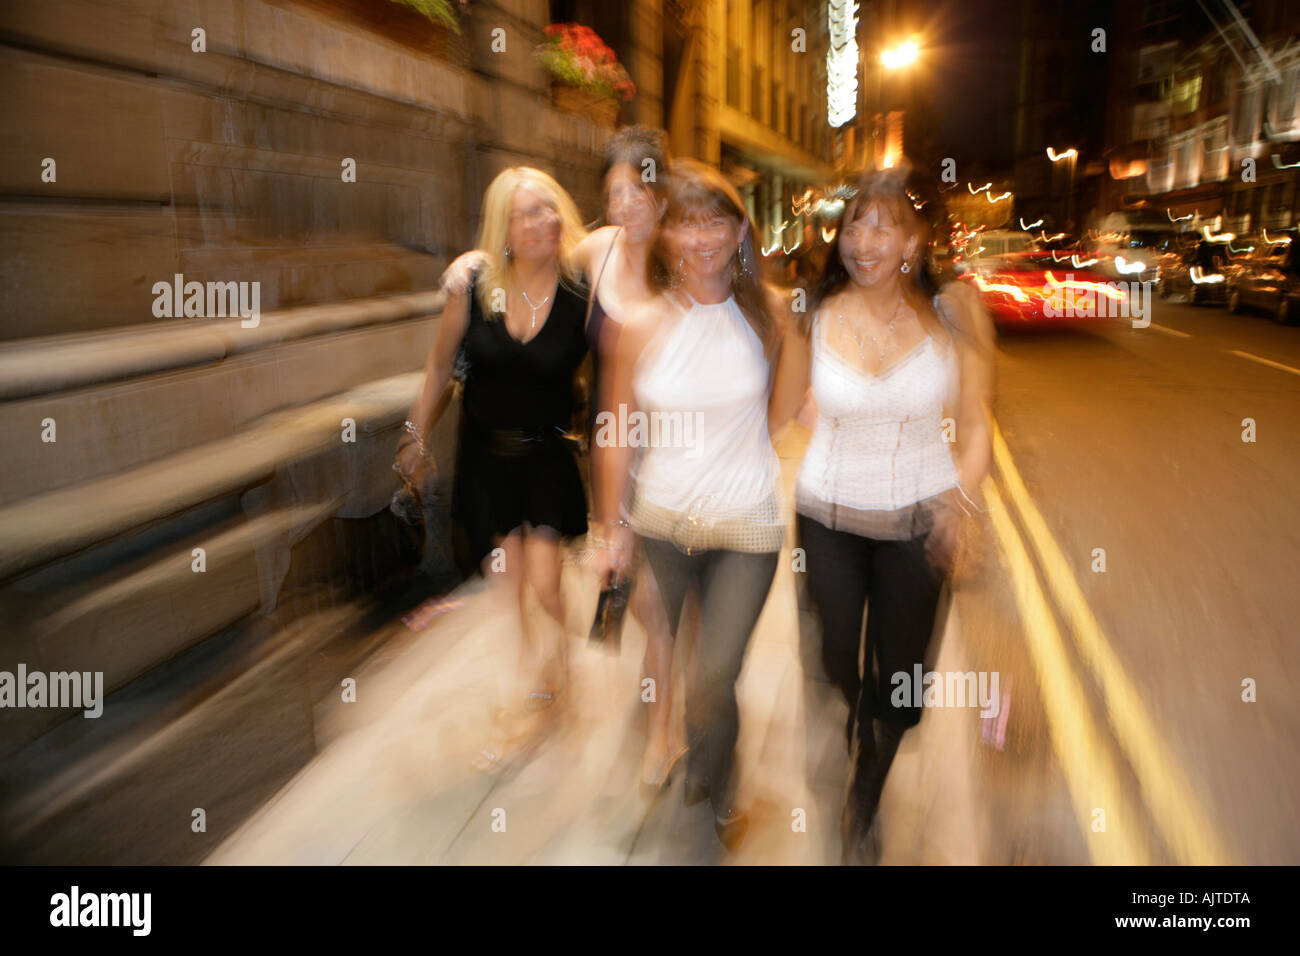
point(733, 588)
point(900, 589)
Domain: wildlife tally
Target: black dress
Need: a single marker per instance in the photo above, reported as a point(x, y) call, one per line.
point(513, 466)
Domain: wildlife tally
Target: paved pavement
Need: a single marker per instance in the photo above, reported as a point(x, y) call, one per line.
point(393, 784)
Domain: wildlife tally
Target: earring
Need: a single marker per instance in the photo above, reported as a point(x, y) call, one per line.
point(905, 268)
point(740, 254)
point(507, 250)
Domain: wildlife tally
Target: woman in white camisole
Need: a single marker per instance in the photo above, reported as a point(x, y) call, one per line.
point(898, 370)
point(692, 377)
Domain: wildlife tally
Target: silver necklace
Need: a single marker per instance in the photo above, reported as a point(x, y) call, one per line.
point(534, 307)
point(883, 350)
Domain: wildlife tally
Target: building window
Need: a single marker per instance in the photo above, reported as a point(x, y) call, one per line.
point(1187, 94)
point(1245, 118)
point(1283, 114)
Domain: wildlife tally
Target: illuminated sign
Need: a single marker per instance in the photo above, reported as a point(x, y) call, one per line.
point(842, 62)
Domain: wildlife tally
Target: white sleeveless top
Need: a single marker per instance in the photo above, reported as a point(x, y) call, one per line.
point(706, 476)
point(877, 459)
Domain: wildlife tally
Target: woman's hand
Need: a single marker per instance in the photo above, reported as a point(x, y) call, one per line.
point(416, 467)
point(457, 277)
point(947, 538)
point(613, 552)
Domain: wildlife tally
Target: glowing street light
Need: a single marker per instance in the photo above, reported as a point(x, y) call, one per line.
point(900, 56)
point(1056, 157)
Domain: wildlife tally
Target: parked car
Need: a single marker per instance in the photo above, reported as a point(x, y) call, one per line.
point(989, 246)
point(1269, 281)
point(1198, 269)
point(1045, 288)
point(1136, 254)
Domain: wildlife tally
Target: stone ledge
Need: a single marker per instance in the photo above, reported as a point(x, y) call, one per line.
point(64, 362)
point(46, 527)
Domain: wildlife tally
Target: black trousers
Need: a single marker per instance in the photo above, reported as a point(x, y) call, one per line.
point(733, 588)
point(900, 590)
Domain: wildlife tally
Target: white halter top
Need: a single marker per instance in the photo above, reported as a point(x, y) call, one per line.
point(707, 378)
point(878, 452)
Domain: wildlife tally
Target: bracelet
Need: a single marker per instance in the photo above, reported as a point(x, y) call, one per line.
point(972, 503)
point(599, 541)
point(414, 431)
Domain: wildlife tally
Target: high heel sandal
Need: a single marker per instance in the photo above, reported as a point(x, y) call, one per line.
point(518, 747)
point(731, 829)
point(542, 699)
point(664, 774)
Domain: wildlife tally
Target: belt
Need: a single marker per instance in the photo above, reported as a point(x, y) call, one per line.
point(517, 442)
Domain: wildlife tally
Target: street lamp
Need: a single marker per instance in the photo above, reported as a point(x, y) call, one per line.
point(900, 56)
point(893, 60)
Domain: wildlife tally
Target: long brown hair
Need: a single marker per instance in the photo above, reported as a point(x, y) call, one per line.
point(904, 194)
point(697, 189)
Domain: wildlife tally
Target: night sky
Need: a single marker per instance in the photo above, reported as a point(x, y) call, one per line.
point(972, 60)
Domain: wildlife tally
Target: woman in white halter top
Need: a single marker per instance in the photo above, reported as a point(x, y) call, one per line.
point(898, 370)
point(692, 377)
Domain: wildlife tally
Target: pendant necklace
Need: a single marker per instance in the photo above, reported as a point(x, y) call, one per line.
point(534, 307)
point(883, 350)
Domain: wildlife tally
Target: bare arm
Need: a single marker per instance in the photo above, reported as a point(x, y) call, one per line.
point(975, 358)
point(457, 277)
point(790, 387)
point(590, 252)
point(612, 462)
point(437, 372)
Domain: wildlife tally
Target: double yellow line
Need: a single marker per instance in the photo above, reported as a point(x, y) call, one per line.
point(1092, 774)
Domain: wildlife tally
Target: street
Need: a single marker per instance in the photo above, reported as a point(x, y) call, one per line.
point(1131, 440)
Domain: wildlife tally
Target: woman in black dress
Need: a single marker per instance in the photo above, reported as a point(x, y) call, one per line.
point(517, 487)
point(616, 260)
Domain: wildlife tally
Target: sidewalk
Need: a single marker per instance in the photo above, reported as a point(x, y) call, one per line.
point(392, 783)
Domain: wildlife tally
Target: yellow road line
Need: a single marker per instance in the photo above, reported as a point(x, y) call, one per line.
point(1182, 820)
point(1169, 331)
point(1091, 772)
point(1264, 361)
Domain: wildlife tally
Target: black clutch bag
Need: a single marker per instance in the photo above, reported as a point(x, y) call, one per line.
point(607, 628)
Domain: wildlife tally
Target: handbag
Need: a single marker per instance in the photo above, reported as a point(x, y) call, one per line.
point(607, 628)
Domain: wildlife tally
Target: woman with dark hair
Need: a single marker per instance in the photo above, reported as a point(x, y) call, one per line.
point(615, 258)
point(882, 495)
point(697, 363)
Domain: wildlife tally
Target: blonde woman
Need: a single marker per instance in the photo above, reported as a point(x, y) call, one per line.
point(517, 488)
point(616, 260)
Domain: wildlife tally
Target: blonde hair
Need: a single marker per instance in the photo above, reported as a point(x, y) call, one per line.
point(495, 224)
